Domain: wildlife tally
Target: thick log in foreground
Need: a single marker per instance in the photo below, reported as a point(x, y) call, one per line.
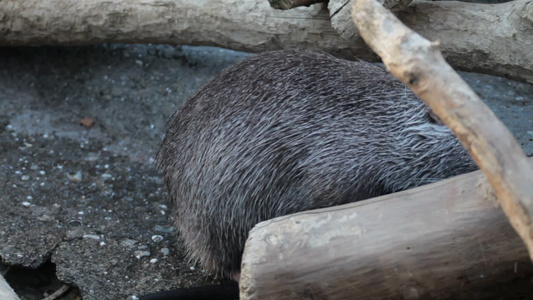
point(6, 292)
point(447, 240)
point(497, 40)
point(418, 63)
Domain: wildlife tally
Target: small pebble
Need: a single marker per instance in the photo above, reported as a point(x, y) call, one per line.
point(164, 229)
point(26, 203)
point(25, 177)
point(77, 177)
point(29, 197)
point(91, 236)
point(138, 254)
point(192, 268)
point(157, 238)
point(153, 260)
point(165, 251)
point(128, 243)
point(42, 172)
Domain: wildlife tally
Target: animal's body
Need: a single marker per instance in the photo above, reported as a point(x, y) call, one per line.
point(289, 131)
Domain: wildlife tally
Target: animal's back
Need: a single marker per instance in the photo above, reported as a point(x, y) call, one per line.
point(287, 131)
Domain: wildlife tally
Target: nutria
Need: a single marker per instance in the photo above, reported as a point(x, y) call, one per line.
point(289, 131)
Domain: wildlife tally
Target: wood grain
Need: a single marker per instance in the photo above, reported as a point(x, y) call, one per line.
point(447, 240)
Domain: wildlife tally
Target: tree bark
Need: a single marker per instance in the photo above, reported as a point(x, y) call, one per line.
point(478, 36)
point(250, 25)
point(447, 240)
point(471, 40)
point(419, 64)
point(474, 37)
point(341, 15)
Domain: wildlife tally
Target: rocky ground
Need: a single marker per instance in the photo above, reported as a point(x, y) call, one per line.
point(86, 204)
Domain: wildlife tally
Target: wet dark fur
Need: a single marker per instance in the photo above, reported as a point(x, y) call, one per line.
point(288, 131)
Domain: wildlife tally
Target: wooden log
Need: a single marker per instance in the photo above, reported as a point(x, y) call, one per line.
point(497, 44)
point(250, 25)
point(503, 33)
point(473, 36)
point(447, 240)
point(419, 64)
point(6, 292)
point(340, 12)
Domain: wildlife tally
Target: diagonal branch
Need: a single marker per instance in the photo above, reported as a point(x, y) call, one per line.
point(419, 64)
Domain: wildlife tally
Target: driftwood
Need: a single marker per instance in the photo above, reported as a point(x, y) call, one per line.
point(493, 39)
point(419, 64)
point(447, 240)
point(6, 292)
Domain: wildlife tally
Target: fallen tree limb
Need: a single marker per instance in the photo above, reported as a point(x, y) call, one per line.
point(254, 26)
point(6, 292)
point(340, 12)
point(473, 36)
point(419, 64)
point(498, 36)
point(447, 240)
point(249, 26)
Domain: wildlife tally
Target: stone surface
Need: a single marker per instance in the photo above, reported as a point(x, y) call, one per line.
point(89, 199)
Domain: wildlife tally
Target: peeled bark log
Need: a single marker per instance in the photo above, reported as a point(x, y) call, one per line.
point(447, 240)
point(419, 64)
point(341, 15)
point(473, 36)
point(478, 36)
point(243, 25)
point(252, 25)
